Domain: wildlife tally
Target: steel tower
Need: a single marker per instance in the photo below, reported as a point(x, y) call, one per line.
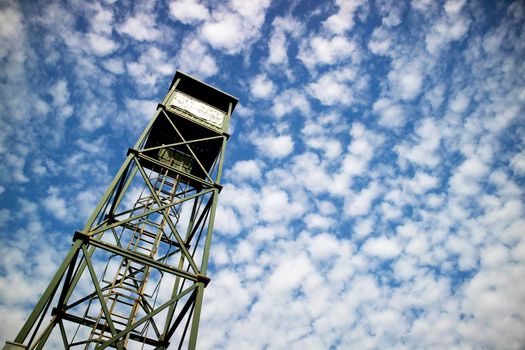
point(135, 275)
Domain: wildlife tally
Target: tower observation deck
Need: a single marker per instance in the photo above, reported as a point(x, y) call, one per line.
point(135, 275)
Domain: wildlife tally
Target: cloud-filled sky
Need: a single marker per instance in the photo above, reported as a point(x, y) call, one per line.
point(373, 185)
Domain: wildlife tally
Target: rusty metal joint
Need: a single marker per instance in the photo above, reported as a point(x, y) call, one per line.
point(81, 236)
point(58, 312)
point(133, 151)
point(110, 218)
point(204, 279)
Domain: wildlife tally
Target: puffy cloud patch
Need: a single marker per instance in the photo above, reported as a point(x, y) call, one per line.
point(101, 45)
point(391, 113)
point(262, 87)
point(140, 27)
point(188, 11)
point(319, 50)
point(382, 247)
point(289, 100)
point(232, 28)
point(274, 146)
point(55, 204)
point(194, 58)
point(333, 88)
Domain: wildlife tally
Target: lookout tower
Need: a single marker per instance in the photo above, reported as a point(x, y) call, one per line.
point(135, 275)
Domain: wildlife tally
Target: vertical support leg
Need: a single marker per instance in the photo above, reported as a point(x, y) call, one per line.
point(196, 317)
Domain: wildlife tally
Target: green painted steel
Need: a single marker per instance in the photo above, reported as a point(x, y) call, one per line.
point(151, 231)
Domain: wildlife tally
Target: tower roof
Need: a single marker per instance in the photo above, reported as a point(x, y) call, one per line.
point(204, 92)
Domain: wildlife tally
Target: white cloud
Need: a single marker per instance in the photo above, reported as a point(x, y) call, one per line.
point(333, 88)
point(246, 170)
point(141, 27)
point(274, 147)
point(494, 255)
point(355, 162)
point(453, 7)
point(114, 65)
point(446, 30)
point(243, 199)
point(361, 203)
point(424, 149)
point(227, 222)
point(86, 202)
point(195, 59)
point(421, 5)
point(278, 49)
point(289, 100)
point(381, 42)
point(268, 233)
point(262, 87)
point(319, 50)
point(459, 103)
point(324, 246)
point(232, 28)
point(101, 45)
point(60, 93)
point(152, 64)
point(100, 18)
point(140, 110)
point(188, 11)
point(56, 205)
point(391, 114)
point(343, 20)
point(518, 162)
point(283, 27)
point(392, 13)
point(363, 228)
point(220, 301)
point(423, 182)
point(465, 180)
point(227, 33)
point(382, 247)
point(332, 148)
point(276, 206)
point(406, 82)
point(10, 20)
point(494, 293)
point(465, 252)
point(316, 221)
point(308, 172)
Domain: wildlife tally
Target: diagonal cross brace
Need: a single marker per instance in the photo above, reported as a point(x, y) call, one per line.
point(188, 147)
point(99, 294)
point(181, 242)
point(146, 318)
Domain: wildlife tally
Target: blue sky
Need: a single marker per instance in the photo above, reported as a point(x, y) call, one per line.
point(373, 191)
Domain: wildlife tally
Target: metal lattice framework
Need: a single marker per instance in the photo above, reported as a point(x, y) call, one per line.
point(135, 275)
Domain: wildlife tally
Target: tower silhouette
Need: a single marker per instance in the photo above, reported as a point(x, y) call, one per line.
point(135, 275)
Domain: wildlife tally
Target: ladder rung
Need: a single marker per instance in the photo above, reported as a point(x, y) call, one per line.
point(141, 238)
point(119, 316)
point(134, 286)
point(134, 299)
point(101, 335)
point(133, 289)
point(149, 250)
point(130, 277)
point(162, 190)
